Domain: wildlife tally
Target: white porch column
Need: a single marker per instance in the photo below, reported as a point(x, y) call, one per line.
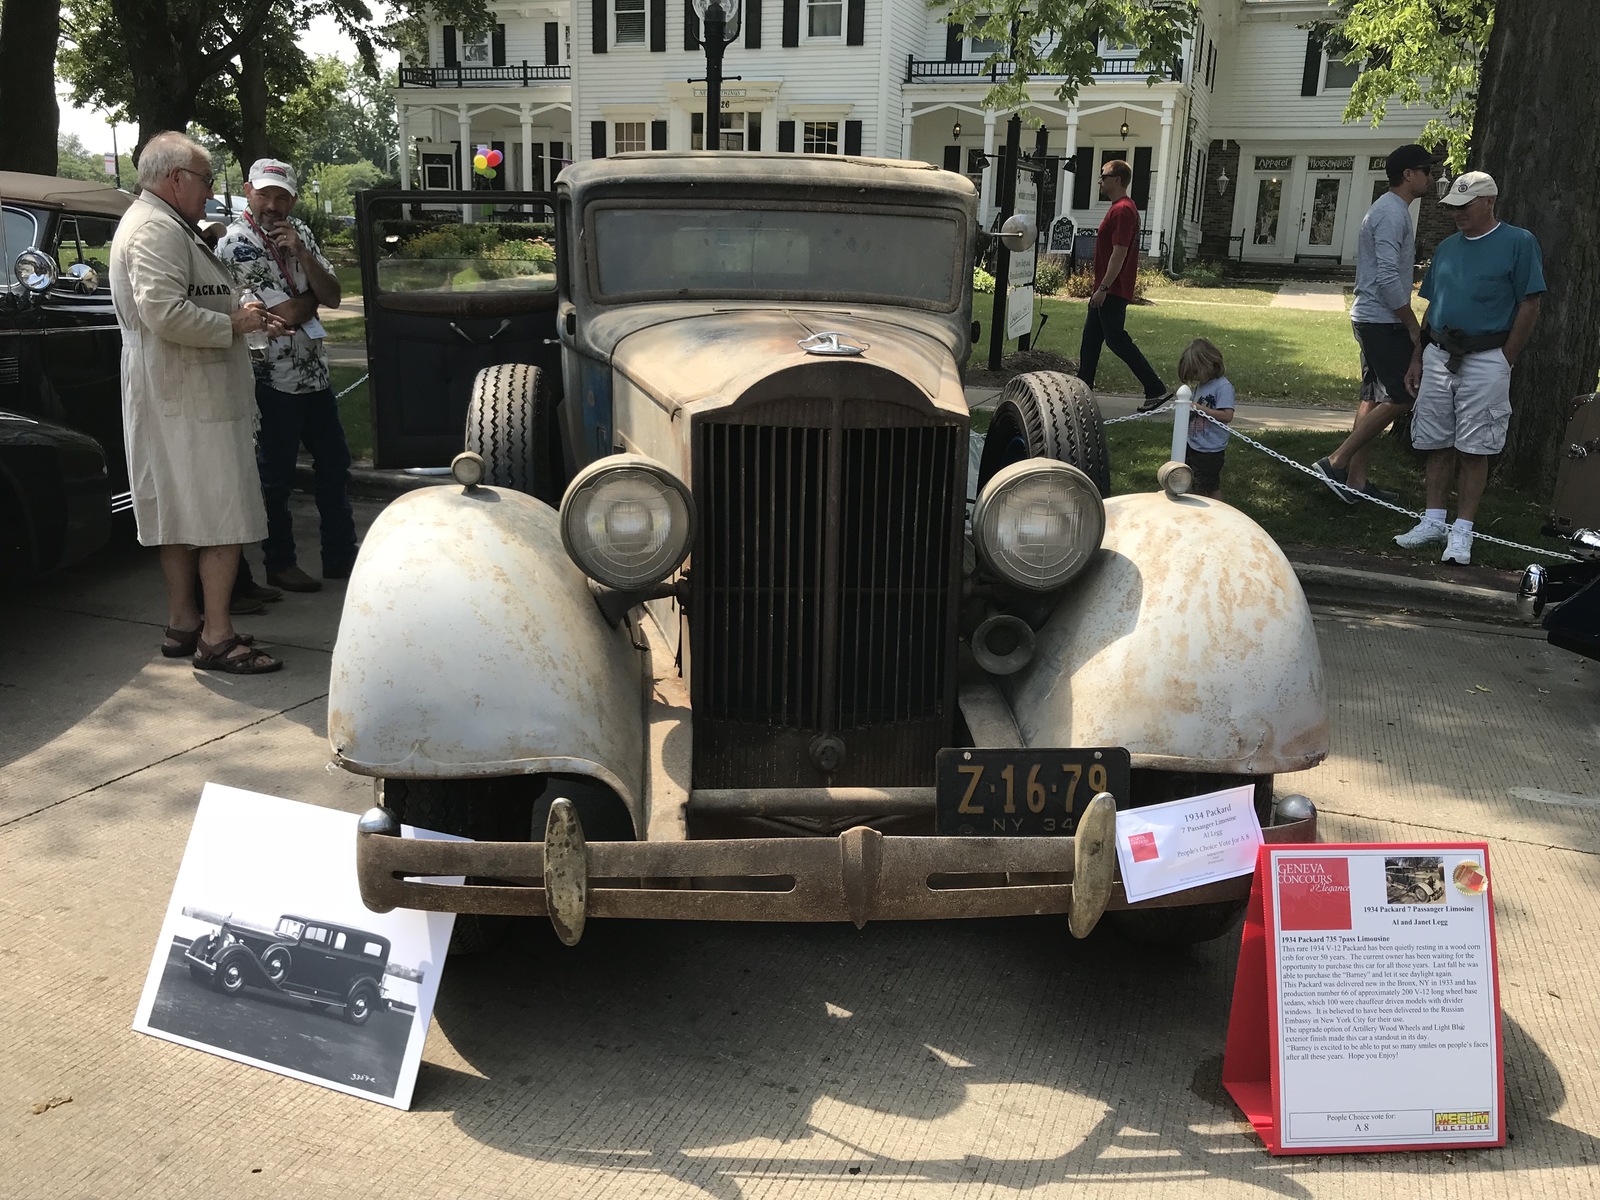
point(1162, 203)
point(986, 200)
point(466, 157)
point(527, 147)
point(1069, 158)
point(906, 123)
point(402, 128)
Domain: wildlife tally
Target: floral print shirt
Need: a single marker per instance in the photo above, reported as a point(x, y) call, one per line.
point(297, 363)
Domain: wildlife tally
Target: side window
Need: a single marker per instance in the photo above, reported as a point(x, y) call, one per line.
point(978, 47)
point(20, 231)
point(317, 934)
point(1338, 75)
point(372, 950)
point(630, 22)
point(821, 137)
point(824, 18)
point(85, 239)
point(338, 940)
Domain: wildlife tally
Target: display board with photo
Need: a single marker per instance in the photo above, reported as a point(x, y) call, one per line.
point(267, 955)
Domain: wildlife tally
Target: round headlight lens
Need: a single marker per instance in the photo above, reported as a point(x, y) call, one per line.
point(1037, 523)
point(627, 522)
point(35, 270)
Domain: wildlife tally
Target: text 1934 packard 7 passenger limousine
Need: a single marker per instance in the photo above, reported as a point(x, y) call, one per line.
point(761, 663)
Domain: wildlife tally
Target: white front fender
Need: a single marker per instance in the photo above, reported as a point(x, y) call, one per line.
point(470, 645)
point(1187, 640)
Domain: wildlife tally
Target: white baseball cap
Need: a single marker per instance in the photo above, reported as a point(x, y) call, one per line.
point(1469, 187)
point(272, 172)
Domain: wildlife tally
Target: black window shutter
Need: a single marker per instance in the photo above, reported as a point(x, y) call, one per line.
point(691, 26)
point(597, 139)
point(552, 43)
point(786, 137)
point(952, 43)
point(658, 26)
point(1141, 177)
point(752, 137)
point(952, 158)
point(602, 40)
point(556, 149)
point(855, 23)
point(497, 46)
point(752, 25)
point(498, 183)
point(791, 22)
point(658, 135)
point(1083, 178)
point(852, 137)
point(451, 59)
point(1312, 79)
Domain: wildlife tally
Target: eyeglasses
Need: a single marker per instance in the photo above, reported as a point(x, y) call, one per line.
point(1108, 174)
point(208, 180)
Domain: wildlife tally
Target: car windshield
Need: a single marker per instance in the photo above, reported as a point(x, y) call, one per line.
point(19, 233)
point(290, 928)
point(895, 257)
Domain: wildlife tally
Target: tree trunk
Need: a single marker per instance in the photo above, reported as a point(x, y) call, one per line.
point(253, 104)
point(1537, 131)
point(28, 33)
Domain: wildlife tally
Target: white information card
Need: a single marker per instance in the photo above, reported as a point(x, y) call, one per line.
point(1185, 843)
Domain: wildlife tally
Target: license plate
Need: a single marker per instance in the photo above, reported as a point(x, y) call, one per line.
point(1024, 793)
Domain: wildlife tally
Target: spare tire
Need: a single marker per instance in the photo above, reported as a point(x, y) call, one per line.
point(1047, 414)
point(513, 426)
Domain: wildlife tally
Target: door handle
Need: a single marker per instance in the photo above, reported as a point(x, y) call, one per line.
point(505, 324)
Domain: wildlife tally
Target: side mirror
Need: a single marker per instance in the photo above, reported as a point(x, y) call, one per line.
point(1019, 232)
point(84, 278)
point(36, 270)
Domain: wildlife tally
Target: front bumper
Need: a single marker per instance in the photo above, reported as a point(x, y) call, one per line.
point(859, 876)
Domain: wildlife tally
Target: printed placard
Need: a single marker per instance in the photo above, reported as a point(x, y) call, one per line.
point(1164, 848)
point(1366, 1014)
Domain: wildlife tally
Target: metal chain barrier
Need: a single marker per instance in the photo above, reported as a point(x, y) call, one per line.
point(1171, 405)
point(354, 386)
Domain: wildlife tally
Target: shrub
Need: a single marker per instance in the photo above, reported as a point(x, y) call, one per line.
point(1050, 276)
point(982, 281)
point(438, 243)
point(1079, 285)
point(1203, 274)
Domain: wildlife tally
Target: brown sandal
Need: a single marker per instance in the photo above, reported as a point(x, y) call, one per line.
point(215, 658)
point(184, 641)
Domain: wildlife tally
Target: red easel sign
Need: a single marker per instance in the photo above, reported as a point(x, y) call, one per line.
point(1366, 1012)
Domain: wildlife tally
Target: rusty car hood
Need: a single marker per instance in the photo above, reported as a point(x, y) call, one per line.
point(716, 356)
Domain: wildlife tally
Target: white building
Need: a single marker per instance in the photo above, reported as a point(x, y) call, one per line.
point(1239, 147)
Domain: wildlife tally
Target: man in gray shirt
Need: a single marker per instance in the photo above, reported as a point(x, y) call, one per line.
point(1385, 327)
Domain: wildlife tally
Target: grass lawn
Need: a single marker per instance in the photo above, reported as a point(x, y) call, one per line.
point(346, 331)
point(1252, 295)
point(1286, 356)
point(1298, 511)
point(354, 410)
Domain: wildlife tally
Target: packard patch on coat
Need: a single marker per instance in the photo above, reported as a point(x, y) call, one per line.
point(210, 289)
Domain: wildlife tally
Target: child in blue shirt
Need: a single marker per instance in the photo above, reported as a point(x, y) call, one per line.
point(1201, 368)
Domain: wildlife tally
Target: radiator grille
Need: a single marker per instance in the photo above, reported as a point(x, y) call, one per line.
point(824, 587)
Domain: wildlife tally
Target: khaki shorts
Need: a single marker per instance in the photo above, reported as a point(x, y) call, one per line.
point(1467, 411)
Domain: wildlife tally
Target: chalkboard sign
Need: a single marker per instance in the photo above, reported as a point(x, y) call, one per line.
point(1061, 231)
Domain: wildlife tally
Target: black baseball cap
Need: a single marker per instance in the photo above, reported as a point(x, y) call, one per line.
point(1406, 158)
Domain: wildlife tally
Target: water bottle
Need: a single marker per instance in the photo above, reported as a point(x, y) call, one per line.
point(256, 339)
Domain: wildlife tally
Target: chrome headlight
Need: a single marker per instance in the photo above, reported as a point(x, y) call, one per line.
point(35, 270)
point(1037, 522)
point(627, 521)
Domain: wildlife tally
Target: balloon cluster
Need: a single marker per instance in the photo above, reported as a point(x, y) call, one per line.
point(485, 161)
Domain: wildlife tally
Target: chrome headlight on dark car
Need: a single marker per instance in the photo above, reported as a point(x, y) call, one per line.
point(1037, 522)
point(627, 521)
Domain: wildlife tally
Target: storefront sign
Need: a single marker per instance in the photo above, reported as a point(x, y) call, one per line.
point(1165, 848)
point(1366, 1013)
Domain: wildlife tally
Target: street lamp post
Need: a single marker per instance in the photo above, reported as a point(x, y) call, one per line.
point(719, 27)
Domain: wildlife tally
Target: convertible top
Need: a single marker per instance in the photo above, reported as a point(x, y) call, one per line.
point(52, 191)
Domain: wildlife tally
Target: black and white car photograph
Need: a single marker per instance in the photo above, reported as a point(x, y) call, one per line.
point(286, 969)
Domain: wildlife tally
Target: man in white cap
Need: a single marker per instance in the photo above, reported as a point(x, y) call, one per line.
point(276, 255)
point(1483, 291)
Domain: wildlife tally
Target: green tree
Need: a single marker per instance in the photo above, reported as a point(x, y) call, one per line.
point(74, 160)
point(345, 115)
point(1414, 52)
point(1061, 39)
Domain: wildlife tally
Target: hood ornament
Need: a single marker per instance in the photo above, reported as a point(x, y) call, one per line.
point(830, 345)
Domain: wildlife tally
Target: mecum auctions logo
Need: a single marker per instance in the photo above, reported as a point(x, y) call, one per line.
point(1314, 893)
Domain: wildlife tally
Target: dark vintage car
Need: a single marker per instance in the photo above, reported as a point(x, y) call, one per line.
point(1564, 597)
point(714, 628)
point(333, 966)
point(62, 471)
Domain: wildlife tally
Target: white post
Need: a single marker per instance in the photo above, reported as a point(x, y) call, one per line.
point(403, 132)
point(527, 148)
point(1158, 214)
point(905, 136)
point(466, 158)
point(986, 201)
point(1180, 423)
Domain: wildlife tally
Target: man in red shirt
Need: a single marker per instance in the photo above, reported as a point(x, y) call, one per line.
point(1116, 262)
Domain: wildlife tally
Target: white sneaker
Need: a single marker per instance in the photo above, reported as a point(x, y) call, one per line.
point(1425, 533)
point(1459, 548)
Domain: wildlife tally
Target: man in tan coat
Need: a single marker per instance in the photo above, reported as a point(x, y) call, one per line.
point(188, 401)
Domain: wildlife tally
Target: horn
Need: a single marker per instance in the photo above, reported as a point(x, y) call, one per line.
point(1003, 644)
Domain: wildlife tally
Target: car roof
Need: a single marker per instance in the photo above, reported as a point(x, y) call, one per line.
point(668, 168)
point(53, 191)
point(324, 924)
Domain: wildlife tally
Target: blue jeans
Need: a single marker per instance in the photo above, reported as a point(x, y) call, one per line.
point(1106, 326)
point(289, 420)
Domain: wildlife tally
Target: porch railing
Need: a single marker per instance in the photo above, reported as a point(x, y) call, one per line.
point(934, 70)
point(525, 74)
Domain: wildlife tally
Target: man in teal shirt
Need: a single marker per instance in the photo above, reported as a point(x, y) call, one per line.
point(1483, 291)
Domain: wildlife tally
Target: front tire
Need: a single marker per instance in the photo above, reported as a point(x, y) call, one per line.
point(230, 976)
point(512, 425)
point(362, 1003)
point(276, 964)
point(1047, 414)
